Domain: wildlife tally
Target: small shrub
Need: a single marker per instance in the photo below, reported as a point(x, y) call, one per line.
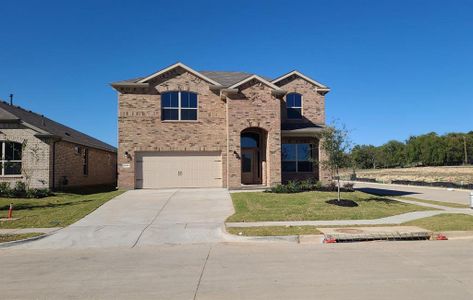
point(38, 193)
point(295, 186)
point(278, 189)
point(19, 190)
point(348, 187)
point(5, 189)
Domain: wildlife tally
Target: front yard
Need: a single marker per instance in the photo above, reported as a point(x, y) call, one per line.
point(59, 210)
point(253, 207)
point(445, 222)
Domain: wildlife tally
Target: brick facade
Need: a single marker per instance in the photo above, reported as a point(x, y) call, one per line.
point(140, 127)
point(313, 102)
point(221, 119)
point(40, 156)
point(313, 111)
point(35, 156)
point(69, 166)
point(254, 107)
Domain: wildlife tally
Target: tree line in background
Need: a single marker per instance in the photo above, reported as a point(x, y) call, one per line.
point(430, 149)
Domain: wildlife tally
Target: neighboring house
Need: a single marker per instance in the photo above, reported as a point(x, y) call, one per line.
point(182, 128)
point(46, 154)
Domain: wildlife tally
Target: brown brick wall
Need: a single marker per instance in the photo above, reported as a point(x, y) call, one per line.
point(35, 156)
point(313, 103)
point(69, 164)
point(219, 125)
point(254, 107)
point(141, 129)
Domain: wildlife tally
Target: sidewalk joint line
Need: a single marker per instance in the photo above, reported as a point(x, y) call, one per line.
point(202, 273)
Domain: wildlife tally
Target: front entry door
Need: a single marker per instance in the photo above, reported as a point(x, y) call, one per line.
point(249, 166)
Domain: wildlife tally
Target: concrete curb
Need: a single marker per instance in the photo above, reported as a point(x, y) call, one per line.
point(228, 237)
point(31, 239)
point(23, 241)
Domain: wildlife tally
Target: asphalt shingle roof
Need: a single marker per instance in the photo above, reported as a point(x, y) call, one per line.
point(223, 77)
point(9, 113)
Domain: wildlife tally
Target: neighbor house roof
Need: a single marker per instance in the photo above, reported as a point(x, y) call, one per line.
point(47, 127)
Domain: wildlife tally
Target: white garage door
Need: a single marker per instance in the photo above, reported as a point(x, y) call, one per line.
point(178, 169)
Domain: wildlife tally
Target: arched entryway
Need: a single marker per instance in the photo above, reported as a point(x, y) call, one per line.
point(253, 155)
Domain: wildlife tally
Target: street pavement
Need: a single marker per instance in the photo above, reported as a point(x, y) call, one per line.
point(169, 244)
point(279, 270)
point(426, 193)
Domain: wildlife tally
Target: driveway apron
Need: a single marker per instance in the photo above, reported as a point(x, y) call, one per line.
point(148, 217)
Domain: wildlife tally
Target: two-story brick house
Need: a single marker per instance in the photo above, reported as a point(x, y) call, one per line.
point(182, 128)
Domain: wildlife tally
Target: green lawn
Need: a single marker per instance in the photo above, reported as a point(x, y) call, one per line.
point(273, 230)
point(448, 204)
point(55, 211)
point(445, 222)
point(15, 237)
point(311, 206)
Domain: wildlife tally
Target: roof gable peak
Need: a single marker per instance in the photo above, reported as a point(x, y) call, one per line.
point(299, 74)
point(178, 65)
point(260, 79)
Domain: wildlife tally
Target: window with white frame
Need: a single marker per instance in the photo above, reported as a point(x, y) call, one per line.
point(178, 106)
point(294, 106)
point(10, 153)
point(296, 158)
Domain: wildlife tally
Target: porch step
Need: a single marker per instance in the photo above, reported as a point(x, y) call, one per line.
point(250, 187)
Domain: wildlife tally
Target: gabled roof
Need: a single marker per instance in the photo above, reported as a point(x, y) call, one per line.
point(47, 127)
point(299, 74)
point(226, 79)
point(260, 79)
point(220, 79)
point(178, 65)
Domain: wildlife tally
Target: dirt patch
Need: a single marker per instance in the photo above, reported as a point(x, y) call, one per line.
point(459, 175)
point(342, 202)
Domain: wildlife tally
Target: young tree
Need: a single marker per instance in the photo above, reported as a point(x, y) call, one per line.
point(335, 142)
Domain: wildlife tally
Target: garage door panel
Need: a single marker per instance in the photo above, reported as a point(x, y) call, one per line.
point(178, 169)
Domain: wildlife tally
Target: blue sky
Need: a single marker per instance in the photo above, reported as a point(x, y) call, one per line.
point(396, 68)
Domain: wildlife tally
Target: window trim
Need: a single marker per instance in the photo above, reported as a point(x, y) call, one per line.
point(3, 160)
point(179, 107)
point(297, 158)
point(301, 107)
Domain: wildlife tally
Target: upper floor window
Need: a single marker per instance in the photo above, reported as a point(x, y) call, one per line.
point(178, 106)
point(294, 106)
point(10, 154)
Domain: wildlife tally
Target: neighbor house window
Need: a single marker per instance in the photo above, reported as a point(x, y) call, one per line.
point(85, 162)
point(296, 158)
point(178, 106)
point(10, 158)
point(294, 106)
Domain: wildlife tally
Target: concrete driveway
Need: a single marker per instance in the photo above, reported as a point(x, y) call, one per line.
point(148, 217)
